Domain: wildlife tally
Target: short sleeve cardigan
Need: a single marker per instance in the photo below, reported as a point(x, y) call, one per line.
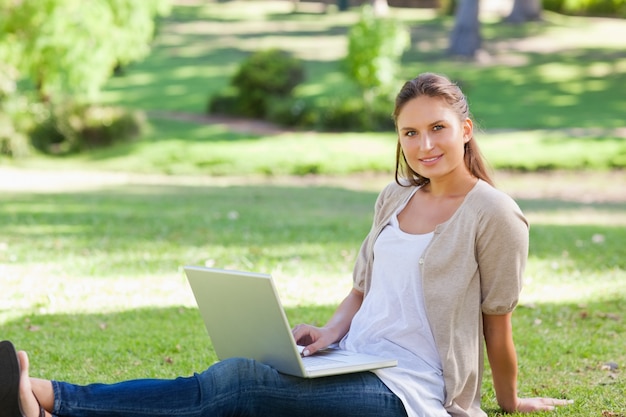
point(473, 265)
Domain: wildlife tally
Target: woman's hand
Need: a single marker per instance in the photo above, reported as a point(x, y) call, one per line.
point(529, 405)
point(316, 338)
point(312, 338)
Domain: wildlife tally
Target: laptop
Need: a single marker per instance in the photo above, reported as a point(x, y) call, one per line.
point(244, 318)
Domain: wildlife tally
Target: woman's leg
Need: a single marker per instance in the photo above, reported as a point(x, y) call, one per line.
point(234, 387)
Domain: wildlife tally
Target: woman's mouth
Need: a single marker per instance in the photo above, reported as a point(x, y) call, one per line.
point(430, 160)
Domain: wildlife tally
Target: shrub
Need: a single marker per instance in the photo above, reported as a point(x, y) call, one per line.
point(224, 102)
point(354, 114)
point(12, 143)
point(612, 8)
point(264, 76)
point(375, 47)
point(75, 128)
point(18, 115)
point(289, 111)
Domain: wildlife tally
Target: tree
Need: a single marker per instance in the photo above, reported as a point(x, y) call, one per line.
point(465, 39)
point(72, 46)
point(524, 11)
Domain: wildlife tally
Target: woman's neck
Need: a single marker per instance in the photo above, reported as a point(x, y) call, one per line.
point(451, 187)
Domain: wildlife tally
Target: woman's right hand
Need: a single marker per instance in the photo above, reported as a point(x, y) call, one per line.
point(316, 338)
point(312, 338)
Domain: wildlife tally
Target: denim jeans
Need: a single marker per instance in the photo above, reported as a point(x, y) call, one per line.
point(234, 387)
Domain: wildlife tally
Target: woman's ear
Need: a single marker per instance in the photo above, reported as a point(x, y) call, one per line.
point(468, 130)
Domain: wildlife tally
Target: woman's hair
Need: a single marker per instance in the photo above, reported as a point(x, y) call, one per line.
point(434, 85)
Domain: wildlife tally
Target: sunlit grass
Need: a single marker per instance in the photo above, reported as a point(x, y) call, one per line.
point(562, 72)
point(94, 273)
point(91, 274)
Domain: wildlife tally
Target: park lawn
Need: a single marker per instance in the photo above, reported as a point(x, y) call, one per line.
point(550, 96)
point(185, 148)
point(93, 275)
point(563, 72)
point(95, 291)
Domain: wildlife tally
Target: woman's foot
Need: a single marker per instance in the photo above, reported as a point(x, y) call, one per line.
point(9, 381)
point(30, 405)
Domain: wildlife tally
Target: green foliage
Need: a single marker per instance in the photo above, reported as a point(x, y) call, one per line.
point(614, 8)
point(73, 128)
point(269, 71)
point(12, 143)
point(18, 114)
point(263, 76)
point(71, 46)
point(375, 47)
point(355, 114)
point(290, 111)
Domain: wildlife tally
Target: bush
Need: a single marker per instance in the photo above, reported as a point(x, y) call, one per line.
point(272, 71)
point(264, 76)
point(18, 115)
point(375, 47)
point(611, 8)
point(224, 102)
point(263, 88)
point(12, 143)
point(75, 128)
point(289, 112)
point(354, 114)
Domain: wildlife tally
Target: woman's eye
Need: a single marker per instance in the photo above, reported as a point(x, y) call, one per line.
point(411, 133)
point(438, 127)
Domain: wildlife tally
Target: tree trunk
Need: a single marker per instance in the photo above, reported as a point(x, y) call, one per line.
point(524, 11)
point(465, 39)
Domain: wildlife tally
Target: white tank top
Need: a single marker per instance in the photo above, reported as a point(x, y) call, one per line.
point(392, 321)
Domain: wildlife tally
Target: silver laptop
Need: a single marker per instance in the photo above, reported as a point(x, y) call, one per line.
point(244, 318)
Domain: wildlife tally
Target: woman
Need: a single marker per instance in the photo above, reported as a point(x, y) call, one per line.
point(439, 272)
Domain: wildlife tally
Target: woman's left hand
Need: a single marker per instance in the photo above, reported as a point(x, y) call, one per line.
point(529, 405)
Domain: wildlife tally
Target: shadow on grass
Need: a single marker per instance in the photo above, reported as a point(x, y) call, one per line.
point(137, 343)
point(171, 221)
point(563, 348)
point(552, 86)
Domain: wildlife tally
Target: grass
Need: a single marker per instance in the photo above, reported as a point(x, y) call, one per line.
point(93, 286)
point(542, 94)
point(563, 72)
point(184, 148)
point(91, 276)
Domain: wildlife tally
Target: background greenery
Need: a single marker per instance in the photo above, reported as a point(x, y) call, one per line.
point(90, 261)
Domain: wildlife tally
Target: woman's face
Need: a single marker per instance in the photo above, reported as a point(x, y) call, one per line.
point(433, 137)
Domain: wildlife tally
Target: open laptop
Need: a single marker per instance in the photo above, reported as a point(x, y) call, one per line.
point(244, 318)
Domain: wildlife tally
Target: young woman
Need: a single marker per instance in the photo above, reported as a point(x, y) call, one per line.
point(439, 273)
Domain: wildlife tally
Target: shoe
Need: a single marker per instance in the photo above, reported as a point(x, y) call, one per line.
point(9, 381)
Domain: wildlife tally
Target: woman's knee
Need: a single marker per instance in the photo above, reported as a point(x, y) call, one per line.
point(236, 373)
point(230, 386)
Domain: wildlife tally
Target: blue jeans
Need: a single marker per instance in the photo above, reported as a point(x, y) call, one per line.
point(234, 387)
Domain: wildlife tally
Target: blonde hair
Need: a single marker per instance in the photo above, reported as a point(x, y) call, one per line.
point(434, 85)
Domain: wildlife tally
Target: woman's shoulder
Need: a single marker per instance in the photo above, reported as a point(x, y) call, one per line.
point(487, 196)
point(493, 205)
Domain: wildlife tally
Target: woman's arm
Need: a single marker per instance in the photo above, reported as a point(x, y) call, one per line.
point(316, 338)
point(502, 357)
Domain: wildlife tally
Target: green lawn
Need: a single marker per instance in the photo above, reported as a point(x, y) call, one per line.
point(93, 285)
point(90, 270)
point(546, 95)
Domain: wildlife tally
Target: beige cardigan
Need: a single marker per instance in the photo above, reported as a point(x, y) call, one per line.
point(474, 264)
